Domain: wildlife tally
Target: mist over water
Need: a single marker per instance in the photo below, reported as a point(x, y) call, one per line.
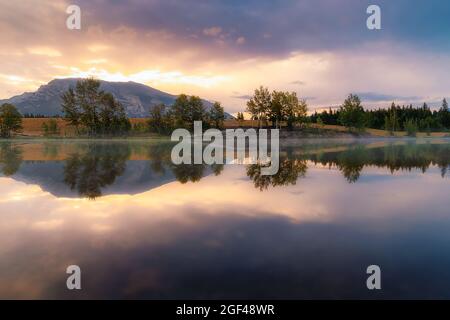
point(141, 227)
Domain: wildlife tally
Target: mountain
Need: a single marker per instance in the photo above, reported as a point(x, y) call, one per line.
point(136, 98)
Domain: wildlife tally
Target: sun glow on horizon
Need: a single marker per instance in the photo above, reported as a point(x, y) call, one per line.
point(150, 76)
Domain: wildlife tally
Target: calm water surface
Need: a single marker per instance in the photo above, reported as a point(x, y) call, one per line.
point(140, 227)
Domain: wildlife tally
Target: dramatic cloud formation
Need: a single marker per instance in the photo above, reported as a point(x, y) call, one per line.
point(222, 50)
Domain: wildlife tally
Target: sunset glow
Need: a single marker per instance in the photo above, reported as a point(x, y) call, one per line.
point(225, 56)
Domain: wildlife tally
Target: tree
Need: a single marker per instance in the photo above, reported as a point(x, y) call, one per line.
point(186, 110)
point(217, 115)
point(352, 113)
point(179, 111)
point(319, 121)
point(160, 119)
point(97, 111)
point(10, 120)
point(50, 127)
point(195, 111)
point(240, 118)
point(294, 110)
point(278, 108)
point(444, 114)
point(392, 120)
point(411, 127)
point(259, 105)
point(445, 105)
point(71, 109)
point(88, 97)
point(112, 117)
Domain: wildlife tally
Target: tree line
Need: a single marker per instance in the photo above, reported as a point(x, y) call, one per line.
point(94, 112)
point(276, 107)
point(100, 113)
point(182, 114)
point(396, 118)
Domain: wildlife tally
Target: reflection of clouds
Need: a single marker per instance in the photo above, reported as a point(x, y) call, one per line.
point(175, 239)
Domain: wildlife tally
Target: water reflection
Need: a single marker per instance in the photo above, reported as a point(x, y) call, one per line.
point(394, 157)
point(10, 158)
point(94, 167)
point(303, 233)
point(288, 174)
point(89, 169)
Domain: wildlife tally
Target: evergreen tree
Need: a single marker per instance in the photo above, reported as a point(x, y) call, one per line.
point(444, 114)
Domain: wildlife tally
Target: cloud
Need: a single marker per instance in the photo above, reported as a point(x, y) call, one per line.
point(243, 96)
point(240, 40)
point(45, 51)
point(274, 29)
point(213, 48)
point(298, 82)
point(150, 76)
point(377, 97)
point(212, 32)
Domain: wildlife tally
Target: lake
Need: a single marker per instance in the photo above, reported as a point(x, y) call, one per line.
point(140, 227)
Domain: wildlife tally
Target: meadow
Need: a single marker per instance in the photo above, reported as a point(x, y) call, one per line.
point(32, 127)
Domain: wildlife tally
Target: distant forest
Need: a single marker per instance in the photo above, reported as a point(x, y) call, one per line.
point(395, 118)
point(32, 116)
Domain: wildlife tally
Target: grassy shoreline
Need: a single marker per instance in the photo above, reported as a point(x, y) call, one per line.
point(32, 129)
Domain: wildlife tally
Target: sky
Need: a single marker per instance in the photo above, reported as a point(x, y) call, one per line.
point(223, 49)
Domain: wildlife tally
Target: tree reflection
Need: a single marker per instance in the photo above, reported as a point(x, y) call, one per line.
point(10, 158)
point(395, 158)
point(51, 149)
point(159, 156)
point(95, 168)
point(188, 172)
point(92, 167)
point(290, 170)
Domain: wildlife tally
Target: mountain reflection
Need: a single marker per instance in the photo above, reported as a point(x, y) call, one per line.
point(93, 169)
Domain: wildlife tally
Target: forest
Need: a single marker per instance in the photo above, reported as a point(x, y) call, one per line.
point(395, 118)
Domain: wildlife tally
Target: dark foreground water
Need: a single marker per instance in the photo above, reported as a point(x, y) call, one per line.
point(140, 227)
